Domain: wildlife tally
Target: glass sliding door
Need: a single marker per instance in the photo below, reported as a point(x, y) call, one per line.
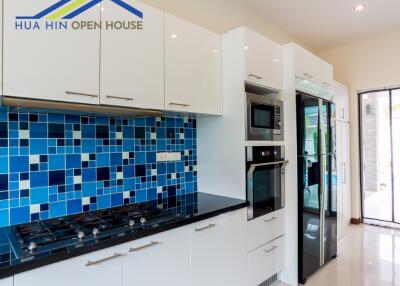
point(380, 150)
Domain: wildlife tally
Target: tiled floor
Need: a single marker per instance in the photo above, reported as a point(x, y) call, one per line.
point(367, 256)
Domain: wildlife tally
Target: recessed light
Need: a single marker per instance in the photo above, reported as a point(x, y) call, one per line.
point(276, 60)
point(359, 7)
point(174, 36)
point(215, 51)
point(246, 48)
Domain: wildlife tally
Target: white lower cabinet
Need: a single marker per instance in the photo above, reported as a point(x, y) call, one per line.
point(101, 268)
point(7, 281)
point(162, 259)
point(218, 250)
point(211, 252)
point(266, 261)
point(265, 229)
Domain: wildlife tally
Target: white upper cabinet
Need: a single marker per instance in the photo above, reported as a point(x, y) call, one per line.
point(52, 62)
point(162, 259)
point(263, 60)
point(104, 267)
point(310, 67)
point(218, 250)
point(132, 60)
point(193, 68)
point(7, 281)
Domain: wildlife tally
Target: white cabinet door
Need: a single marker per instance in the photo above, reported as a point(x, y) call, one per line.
point(339, 178)
point(266, 261)
point(52, 63)
point(263, 60)
point(218, 250)
point(162, 259)
point(265, 229)
point(347, 174)
point(102, 268)
point(193, 68)
point(7, 281)
point(310, 67)
point(132, 60)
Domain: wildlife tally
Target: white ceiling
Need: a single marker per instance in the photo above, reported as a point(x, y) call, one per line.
point(325, 24)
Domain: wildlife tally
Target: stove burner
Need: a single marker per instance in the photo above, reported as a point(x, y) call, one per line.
point(95, 232)
point(63, 232)
point(81, 235)
point(32, 246)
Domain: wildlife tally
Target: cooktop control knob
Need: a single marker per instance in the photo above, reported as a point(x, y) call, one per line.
point(143, 220)
point(81, 235)
point(95, 232)
point(131, 222)
point(32, 246)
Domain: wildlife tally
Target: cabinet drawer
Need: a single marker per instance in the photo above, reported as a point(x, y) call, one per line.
point(266, 261)
point(265, 229)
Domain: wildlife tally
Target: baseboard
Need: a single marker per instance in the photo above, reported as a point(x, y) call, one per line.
point(355, 221)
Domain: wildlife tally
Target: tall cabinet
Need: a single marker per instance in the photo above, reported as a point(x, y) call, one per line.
point(341, 99)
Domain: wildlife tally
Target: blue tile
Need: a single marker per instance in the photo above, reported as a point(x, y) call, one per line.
point(39, 179)
point(19, 215)
point(19, 164)
point(74, 206)
point(38, 146)
point(56, 162)
point(117, 200)
point(39, 195)
point(3, 165)
point(4, 217)
point(73, 161)
point(38, 130)
point(57, 209)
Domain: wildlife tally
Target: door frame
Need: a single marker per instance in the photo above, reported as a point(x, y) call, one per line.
point(361, 161)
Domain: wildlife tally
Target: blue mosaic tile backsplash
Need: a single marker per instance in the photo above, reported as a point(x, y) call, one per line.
point(53, 165)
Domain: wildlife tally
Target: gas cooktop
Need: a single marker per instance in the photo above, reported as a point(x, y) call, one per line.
point(82, 229)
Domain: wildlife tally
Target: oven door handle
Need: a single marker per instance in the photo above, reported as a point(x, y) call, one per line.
point(284, 164)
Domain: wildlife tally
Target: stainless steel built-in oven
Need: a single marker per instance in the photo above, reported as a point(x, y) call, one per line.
point(265, 167)
point(264, 118)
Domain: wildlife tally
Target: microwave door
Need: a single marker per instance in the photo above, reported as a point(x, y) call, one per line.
point(265, 184)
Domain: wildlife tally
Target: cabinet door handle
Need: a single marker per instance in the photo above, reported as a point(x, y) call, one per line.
point(256, 76)
point(270, 250)
point(80, 93)
point(92, 263)
point(120, 97)
point(271, 219)
point(179, 104)
point(205, 227)
point(136, 249)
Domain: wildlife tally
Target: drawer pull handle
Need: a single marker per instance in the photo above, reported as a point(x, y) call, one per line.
point(271, 219)
point(136, 249)
point(120, 97)
point(80, 93)
point(179, 104)
point(254, 75)
point(270, 250)
point(92, 263)
point(205, 227)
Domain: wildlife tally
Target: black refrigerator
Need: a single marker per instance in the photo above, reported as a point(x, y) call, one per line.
point(316, 149)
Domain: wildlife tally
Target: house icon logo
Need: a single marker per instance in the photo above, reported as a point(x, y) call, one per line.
point(61, 16)
point(69, 9)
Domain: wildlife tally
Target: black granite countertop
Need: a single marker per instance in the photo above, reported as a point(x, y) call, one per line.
point(189, 208)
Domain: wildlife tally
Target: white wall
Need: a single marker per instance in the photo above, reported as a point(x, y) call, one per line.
point(367, 64)
point(221, 16)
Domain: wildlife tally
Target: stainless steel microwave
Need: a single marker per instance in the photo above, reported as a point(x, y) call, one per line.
point(264, 118)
